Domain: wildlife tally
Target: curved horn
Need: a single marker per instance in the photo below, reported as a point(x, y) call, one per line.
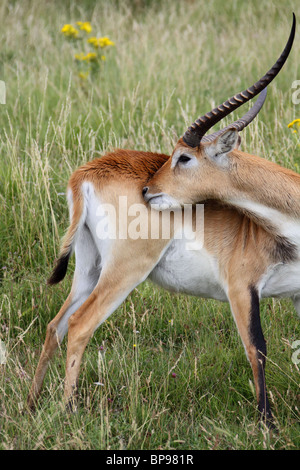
point(198, 129)
point(243, 122)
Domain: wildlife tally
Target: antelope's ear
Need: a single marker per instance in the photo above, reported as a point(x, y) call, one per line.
point(223, 144)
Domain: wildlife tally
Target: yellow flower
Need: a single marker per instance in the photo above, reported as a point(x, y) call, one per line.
point(69, 31)
point(90, 56)
point(103, 57)
point(103, 42)
point(85, 26)
point(80, 56)
point(100, 42)
point(93, 41)
point(295, 121)
point(83, 75)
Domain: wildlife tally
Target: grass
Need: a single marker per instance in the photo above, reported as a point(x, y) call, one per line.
point(172, 62)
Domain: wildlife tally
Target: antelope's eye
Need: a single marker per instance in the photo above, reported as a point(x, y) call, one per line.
point(183, 158)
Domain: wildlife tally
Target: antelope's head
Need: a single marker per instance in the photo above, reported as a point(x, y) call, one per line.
point(201, 164)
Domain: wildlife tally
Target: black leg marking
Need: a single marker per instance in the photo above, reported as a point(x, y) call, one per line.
point(258, 340)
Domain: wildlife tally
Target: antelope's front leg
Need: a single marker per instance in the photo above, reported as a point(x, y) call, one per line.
point(245, 308)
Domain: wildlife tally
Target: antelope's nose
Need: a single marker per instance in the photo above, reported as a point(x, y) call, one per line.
point(145, 190)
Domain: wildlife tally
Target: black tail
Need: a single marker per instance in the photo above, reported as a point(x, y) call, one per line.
point(60, 269)
point(77, 220)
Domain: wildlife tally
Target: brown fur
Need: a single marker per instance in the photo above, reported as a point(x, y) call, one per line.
point(120, 164)
point(247, 176)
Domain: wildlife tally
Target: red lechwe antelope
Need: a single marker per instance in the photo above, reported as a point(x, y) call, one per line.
point(250, 245)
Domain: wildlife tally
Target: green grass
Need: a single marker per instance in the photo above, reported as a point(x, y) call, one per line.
point(173, 61)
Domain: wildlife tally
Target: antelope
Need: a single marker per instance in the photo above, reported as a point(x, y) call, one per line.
point(251, 235)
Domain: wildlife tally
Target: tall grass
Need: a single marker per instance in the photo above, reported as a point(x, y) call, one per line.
point(173, 61)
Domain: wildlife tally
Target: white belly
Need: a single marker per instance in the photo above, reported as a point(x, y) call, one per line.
point(282, 280)
point(196, 273)
point(190, 272)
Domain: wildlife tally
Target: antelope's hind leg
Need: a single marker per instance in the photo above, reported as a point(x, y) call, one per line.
point(87, 272)
point(130, 265)
point(245, 308)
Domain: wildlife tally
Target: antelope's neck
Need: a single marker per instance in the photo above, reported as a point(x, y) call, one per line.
point(268, 193)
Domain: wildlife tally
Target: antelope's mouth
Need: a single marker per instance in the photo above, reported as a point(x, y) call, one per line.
point(161, 201)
